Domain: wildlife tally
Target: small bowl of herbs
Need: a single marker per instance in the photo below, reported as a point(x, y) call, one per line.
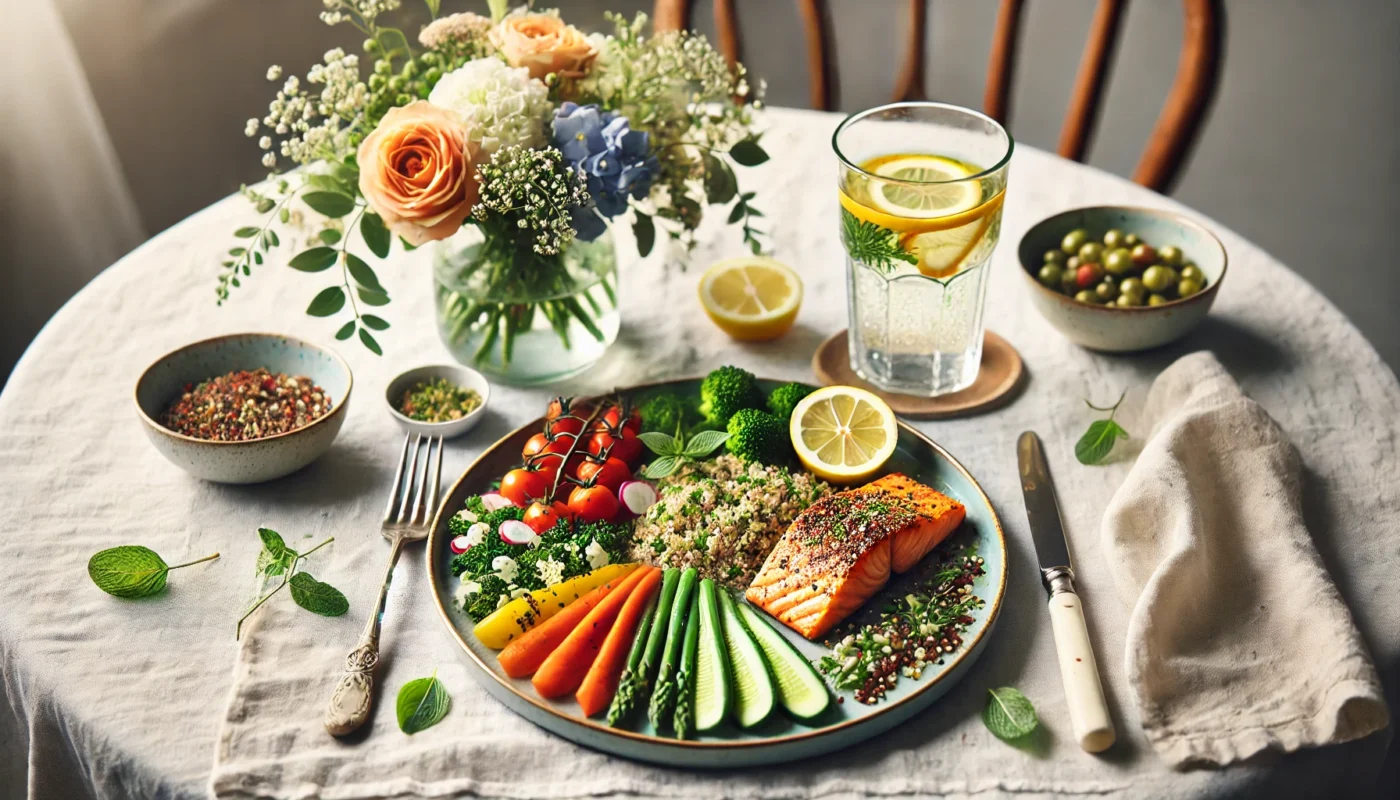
point(438, 400)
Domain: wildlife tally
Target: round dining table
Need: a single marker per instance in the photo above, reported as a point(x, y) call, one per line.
point(156, 698)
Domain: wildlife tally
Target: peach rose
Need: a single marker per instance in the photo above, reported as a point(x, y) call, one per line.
point(542, 43)
point(416, 172)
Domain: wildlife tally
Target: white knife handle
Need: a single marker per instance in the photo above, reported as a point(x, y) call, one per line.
point(1088, 711)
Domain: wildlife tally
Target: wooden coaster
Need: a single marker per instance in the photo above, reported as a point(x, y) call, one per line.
point(995, 386)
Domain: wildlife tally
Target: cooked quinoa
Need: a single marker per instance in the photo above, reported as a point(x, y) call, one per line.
point(723, 517)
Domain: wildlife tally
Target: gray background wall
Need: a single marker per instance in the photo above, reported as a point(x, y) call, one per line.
point(1299, 152)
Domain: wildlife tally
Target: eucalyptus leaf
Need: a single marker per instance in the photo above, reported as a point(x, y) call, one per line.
point(329, 236)
point(246, 233)
point(1008, 714)
point(346, 331)
point(265, 205)
point(362, 272)
point(748, 153)
point(371, 297)
point(738, 212)
point(376, 236)
point(720, 186)
point(373, 322)
point(645, 231)
point(422, 703)
point(317, 259)
point(368, 341)
point(271, 237)
point(317, 597)
point(330, 204)
point(329, 301)
point(662, 444)
point(662, 467)
point(327, 183)
point(704, 443)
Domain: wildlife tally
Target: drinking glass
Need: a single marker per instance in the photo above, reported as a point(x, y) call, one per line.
point(921, 191)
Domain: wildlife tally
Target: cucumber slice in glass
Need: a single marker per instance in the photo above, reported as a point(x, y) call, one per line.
point(713, 696)
point(801, 690)
point(754, 692)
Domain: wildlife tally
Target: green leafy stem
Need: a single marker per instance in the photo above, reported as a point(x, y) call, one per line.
point(276, 558)
point(1097, 442)
point(721, 186)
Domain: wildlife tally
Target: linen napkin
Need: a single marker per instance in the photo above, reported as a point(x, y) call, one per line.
point(1238, 640)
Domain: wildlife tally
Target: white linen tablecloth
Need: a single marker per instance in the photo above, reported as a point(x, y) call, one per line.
point(111, 698)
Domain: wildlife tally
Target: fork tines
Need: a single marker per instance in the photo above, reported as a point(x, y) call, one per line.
point(422, 484)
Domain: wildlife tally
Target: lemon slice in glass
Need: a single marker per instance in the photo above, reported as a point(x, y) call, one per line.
point(935, 188)
point(843, 434)
point(751, 298)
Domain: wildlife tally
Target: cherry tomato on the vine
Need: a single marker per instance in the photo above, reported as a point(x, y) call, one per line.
point(566, 406)
point(523, 486)
point(541, 517)
point(611, 472)
point(593, 503)
point(562, 509)
point(544, 443)
point(564, 426)
point(614, 414)
point(628, 447)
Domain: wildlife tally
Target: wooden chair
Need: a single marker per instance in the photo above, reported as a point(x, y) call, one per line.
point(1171, 138)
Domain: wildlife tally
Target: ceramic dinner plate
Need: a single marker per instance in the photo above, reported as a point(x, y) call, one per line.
point(780, 739)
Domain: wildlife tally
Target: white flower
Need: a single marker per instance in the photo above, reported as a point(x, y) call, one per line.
point(466, 591)
point(269, 160)
point(551, 572)
point(250, 128)
point(596, 555)
point(265, 143)
point(274, 72)
point(476, 534)
point(500, 105)
point(506, 568)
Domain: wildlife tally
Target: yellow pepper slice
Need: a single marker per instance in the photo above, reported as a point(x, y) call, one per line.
point(529, 610)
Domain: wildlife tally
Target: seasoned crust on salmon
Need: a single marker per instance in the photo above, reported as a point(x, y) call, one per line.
point(843, 549)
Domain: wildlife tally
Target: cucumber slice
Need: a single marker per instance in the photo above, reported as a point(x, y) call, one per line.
point(754, 692)
point(801, 690)
point(713, 695)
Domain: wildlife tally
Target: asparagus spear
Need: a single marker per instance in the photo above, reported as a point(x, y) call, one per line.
point(685, 676)
point(635, 683)
point(663, 697)
point(628, 681)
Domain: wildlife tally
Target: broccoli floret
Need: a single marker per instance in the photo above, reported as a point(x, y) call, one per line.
point(759, 436)
point(477, 560)
point(785, 398)
point(482, 604)
point(664, 413)
point(727, 390)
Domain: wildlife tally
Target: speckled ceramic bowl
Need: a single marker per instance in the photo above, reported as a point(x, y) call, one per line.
point(1112, 328)
point(466, 378)
point(260, 459)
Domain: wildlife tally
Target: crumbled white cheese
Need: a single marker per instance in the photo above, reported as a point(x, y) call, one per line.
point(476, 534)
point(466, 515)
point(505, 567)
point(550, 571)
point(466, 590)
point(596, 555)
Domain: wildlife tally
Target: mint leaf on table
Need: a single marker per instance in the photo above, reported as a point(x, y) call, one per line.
point(276, 557)
point(422, 703)
point(132, 570)
point(1097, 442)
point(317, 597)
point(1009, 715)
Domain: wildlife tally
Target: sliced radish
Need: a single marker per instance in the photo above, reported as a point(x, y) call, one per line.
point(495, 502)
point(513, 531)
point(637, 496)
point(460, 544)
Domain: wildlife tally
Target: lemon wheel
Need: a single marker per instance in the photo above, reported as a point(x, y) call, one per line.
point(843, 434)
point(751, 298)
point(924, 187)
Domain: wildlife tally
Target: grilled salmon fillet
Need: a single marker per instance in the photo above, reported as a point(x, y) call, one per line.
point(843, 549)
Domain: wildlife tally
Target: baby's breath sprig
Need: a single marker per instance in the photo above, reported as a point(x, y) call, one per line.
point(534, 191)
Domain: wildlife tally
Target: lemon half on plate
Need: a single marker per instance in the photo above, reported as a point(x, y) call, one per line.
point(843, 434)
point(751, 298)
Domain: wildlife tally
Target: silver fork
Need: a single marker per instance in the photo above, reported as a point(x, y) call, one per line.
point(350, 703)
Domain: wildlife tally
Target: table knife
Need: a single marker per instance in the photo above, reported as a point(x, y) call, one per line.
point(1088, 712)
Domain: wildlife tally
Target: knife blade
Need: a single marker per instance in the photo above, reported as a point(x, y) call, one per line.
point(1088, 711)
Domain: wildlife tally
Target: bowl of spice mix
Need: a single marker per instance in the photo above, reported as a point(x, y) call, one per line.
point(244, 408)
point(438, 400)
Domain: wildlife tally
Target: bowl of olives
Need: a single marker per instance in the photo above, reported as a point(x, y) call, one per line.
point(1122, 278)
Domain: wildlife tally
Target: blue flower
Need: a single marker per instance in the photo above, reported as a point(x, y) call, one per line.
point(614, 160)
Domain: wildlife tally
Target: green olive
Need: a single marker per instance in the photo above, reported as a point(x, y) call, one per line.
point(1113, 239)
point(1188, 287)
point(1118, 261)
point(1055, 257)
point(1068, 283)
point(1191, 272)
point(1074, 240)
point(1072, 263)
point(1050, 275)
point(1091, 251)
point(1158, 278)
point(1169, 255)
point(1144, 255)
point(1128, 300)
point(1133, 288)
point(1087, 296)
point(1156, 300)
point(1131, 240)
point(1106, 291)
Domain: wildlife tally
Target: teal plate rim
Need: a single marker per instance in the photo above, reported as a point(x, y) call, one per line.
point(687, 752)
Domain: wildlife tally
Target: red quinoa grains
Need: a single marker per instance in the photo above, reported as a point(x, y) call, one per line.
point(246, 405)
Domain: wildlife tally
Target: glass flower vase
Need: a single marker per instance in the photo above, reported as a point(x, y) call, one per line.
point(520, 317)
